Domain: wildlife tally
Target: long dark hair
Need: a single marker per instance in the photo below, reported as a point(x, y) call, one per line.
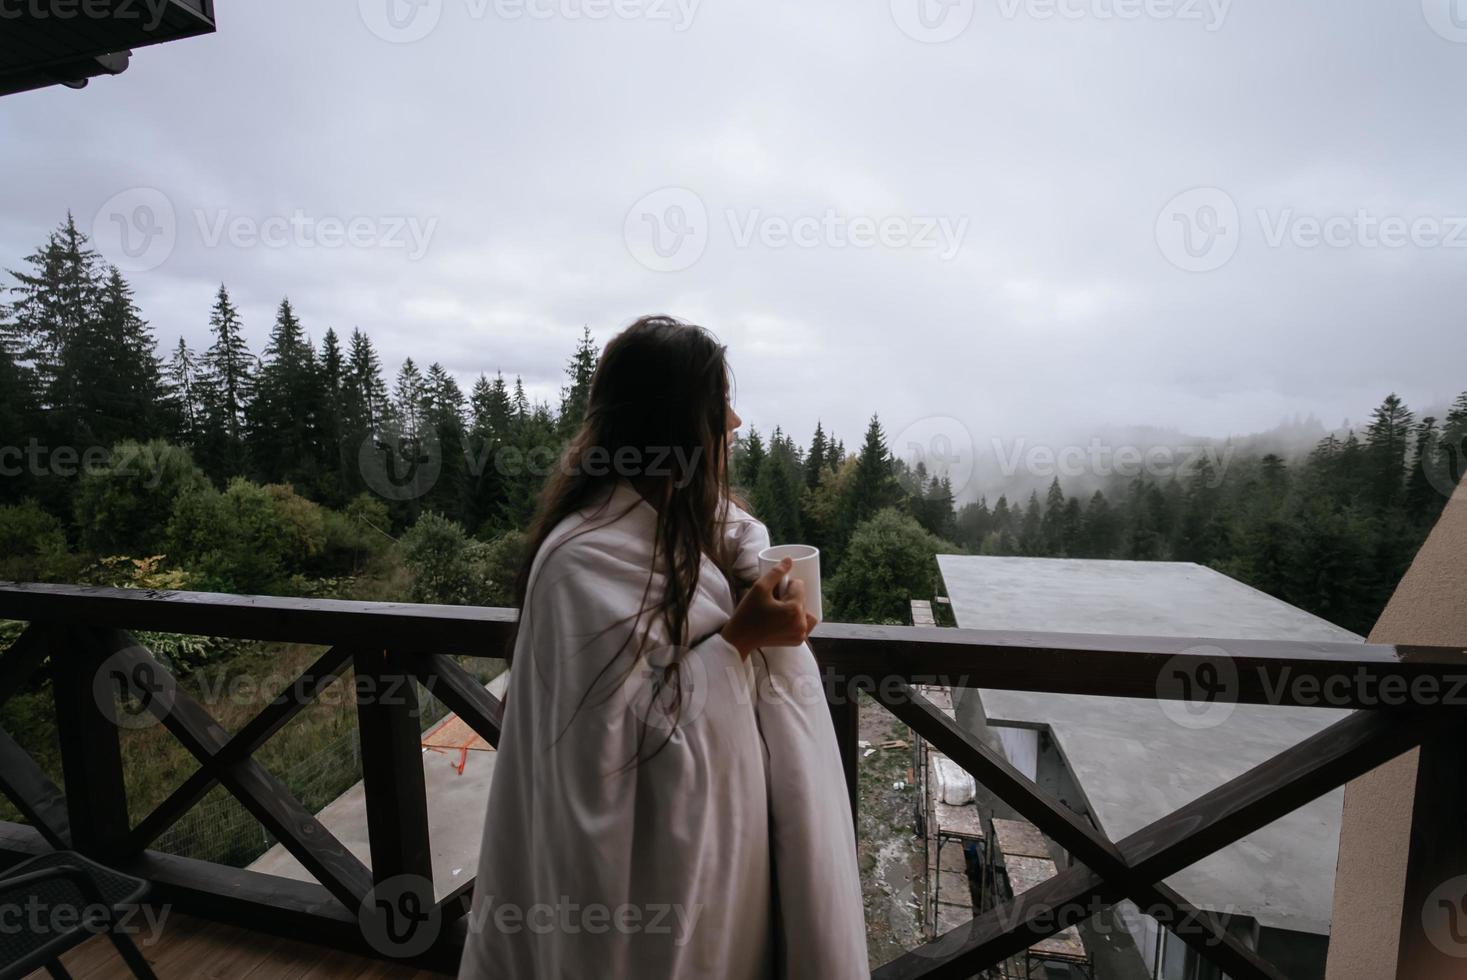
point(659, 397)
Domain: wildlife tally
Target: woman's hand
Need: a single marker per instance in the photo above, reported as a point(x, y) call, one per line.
point(764, 619)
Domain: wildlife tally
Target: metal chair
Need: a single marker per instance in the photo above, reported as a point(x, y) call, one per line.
point(94, 898)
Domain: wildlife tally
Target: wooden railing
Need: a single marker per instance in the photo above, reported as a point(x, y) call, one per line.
point(81, 636)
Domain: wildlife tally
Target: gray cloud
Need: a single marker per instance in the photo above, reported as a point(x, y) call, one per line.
point(1056, 141)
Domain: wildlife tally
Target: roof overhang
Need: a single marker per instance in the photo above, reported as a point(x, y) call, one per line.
point(68, 42)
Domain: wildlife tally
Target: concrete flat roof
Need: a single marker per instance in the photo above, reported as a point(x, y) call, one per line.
point(1131, 760)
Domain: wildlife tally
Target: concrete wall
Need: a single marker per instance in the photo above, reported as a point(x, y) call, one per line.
point(1429, 607)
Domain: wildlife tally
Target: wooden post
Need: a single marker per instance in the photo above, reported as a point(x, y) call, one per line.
point(845, 714)
point(91, 750)
point(392, 767)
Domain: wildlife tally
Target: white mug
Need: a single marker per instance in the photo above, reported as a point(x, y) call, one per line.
point(804, 567)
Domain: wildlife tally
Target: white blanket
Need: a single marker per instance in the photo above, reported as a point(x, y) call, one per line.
point(618, 845)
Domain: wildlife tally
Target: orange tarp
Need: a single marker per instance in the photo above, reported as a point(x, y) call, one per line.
point(453, 734)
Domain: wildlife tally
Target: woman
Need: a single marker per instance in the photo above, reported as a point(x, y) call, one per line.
point(667, 799)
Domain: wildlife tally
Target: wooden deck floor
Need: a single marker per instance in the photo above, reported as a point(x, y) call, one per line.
point(191, 947)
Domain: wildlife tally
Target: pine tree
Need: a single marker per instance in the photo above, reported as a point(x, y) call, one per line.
point(363, 409)
point(1052, 526)
point(444, 400)
point(1099, 528)
point(1451, 459)
point(519, 403)
point(184, 394)
point(1327, 563)
point(817, 459)
point(409, 395)
point(873, 486)
point(820, 508)
point(365, 405)
point(780, 482)
point(491, 408)
point(107, 385)
point(17, 385)
point(226, 385)
point(336, 449)
point(531, 454)
point(489, 433)
point(1001, 538)
point(1423, 503)
point(912, 479)
point(56, 303)
point(1350, 471)
point(284, 419)
point(1145, 516)
point(579, 372)
point(17, 413)
point(125, 382)
point(1072, 527)
point(941, 519)
point(1275, 475)
point(748, 461)
point(1031, 531)
point(1386, 441)
point(974, 521)
point(1262, 554)
point(443, 407)
point(1203, 532)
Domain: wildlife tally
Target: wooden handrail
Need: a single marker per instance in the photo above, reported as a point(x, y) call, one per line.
point(1279, 672)
point(451, 629)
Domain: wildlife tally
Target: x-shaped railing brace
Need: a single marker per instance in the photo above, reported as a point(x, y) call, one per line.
point(1135, 867)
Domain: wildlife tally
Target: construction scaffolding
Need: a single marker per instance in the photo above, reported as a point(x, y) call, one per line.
point(953, 831)
point(1018, 858)
point(976, 861)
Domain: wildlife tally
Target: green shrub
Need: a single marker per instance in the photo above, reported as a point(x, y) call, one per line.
point(32, 543)
point(436, 551)
point(353, 537)
point(498, 565)
point(448, 567)
point(124, 507)
point(890, 560)
point(232, 540)
point(302, 525)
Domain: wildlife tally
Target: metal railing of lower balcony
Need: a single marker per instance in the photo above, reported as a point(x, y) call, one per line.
point(80, 635)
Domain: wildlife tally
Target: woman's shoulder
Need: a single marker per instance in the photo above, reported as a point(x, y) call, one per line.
point(590, 544)
point(740, 521)
point(748, 536)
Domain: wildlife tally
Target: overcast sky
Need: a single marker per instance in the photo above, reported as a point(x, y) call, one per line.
point(991, 227)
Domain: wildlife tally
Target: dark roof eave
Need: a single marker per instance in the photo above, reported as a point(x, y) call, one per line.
point(75, 74)
point(37, 51)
